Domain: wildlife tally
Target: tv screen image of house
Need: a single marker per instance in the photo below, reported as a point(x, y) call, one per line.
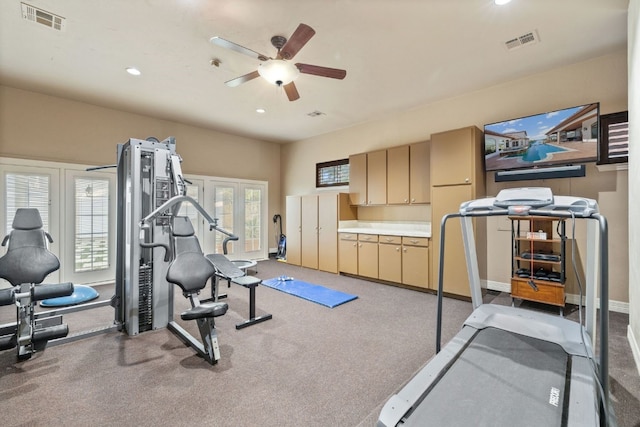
point(562, 137)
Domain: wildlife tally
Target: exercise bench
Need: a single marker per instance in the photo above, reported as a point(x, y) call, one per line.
point(227, 270)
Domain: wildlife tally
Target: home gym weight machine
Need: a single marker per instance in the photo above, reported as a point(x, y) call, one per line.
point(151, 241)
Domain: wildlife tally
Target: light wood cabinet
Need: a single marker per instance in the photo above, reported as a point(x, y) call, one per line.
point(358, 179)
point(377, 177)
point(457, 175)
point(419, 176)
point(368, 255)
point(398, 175)
point(455, 157)
point(348, 253)
point(329, 212)
point(293, 229)
point(312, 221)
point(309, 233)
point(415, 261)
point(390, 258)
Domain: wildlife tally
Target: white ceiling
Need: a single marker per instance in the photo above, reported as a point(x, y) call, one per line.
point(399, 54)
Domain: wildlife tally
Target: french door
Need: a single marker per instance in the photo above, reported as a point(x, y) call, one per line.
point(241, 208)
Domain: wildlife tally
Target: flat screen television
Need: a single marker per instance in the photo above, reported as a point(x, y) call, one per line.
point(563, 137)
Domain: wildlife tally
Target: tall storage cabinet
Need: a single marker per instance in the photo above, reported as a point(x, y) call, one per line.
point(293, 229)
point(312, 222)
point(457, 175)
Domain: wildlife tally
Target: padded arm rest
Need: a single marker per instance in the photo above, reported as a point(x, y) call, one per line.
point(205, 310)
point(42, 292)
point(7, 297)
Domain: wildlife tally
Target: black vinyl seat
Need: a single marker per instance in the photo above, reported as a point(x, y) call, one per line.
point(25, 265)
point(191, 270)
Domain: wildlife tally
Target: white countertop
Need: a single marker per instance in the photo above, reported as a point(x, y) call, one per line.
point(389, 228)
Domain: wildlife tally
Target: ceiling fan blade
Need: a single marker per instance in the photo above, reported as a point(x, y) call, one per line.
point(298, 39)
point(316, 70)
point(242, 79)
point(241, 49)
point(291, 91)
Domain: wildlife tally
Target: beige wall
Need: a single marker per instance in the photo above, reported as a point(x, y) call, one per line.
point(602, 79)
point(41, 127)
point(634, 177)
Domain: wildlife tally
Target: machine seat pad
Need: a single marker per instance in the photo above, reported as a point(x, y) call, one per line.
point(28, 264)
point(247, 281)
point(7, 297)
point(205, 310)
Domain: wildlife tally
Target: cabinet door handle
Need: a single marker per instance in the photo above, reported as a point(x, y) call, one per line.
point(406, 200)
point(466, 180)
point(397, 249)
point(404, 250)
point(415, 242)
point(413, 200)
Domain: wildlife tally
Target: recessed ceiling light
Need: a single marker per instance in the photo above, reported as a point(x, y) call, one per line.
point(133, 71)
point(260, 110)
point(501, 2)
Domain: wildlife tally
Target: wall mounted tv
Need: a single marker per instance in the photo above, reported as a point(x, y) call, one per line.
point(557, 138)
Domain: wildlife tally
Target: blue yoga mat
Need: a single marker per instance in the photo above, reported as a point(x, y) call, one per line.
point(314, 293)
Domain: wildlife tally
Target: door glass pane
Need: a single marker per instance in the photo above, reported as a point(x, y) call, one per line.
point(26, 191)
point(252, 217)
point(91, 246)
point(224, 211)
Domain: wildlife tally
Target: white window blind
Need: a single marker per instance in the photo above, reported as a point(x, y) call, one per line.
point(25, 190)
point(91, 224)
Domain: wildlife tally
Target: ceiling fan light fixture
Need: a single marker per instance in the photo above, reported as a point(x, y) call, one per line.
point(278, 72)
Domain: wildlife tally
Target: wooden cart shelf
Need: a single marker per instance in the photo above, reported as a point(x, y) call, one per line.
point(526, 281)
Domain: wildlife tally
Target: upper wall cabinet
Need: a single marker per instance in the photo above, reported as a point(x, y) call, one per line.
point(396, 176)
point(454, 156)
point(358, 179)
point(419, 179)
point(377, 177)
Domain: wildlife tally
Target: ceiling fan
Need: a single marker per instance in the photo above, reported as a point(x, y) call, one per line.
point(279, 70)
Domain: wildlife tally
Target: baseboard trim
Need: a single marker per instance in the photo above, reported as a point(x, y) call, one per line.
point(615, 306)
point(635, 349)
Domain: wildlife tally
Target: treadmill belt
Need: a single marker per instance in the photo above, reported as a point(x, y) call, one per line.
point(500, 379)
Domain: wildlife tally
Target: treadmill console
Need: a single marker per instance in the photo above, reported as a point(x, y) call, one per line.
point(530, 201)
point(529, 196)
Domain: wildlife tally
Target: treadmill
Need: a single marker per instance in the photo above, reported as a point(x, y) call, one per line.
point(510, 366)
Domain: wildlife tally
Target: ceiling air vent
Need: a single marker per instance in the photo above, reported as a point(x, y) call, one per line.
point(529, 38)
point(42, 17)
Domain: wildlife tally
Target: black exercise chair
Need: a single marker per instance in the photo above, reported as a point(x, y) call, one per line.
point(25, 265)
point(191, 271)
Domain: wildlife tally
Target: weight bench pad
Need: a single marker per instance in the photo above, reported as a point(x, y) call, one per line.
point(228, 269)
point(247, 281)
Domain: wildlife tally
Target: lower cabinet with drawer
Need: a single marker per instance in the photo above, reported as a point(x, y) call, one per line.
point(348, 253)
point(390, 258)
point(395, 259)
point(368, 255)
point(415, 261)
